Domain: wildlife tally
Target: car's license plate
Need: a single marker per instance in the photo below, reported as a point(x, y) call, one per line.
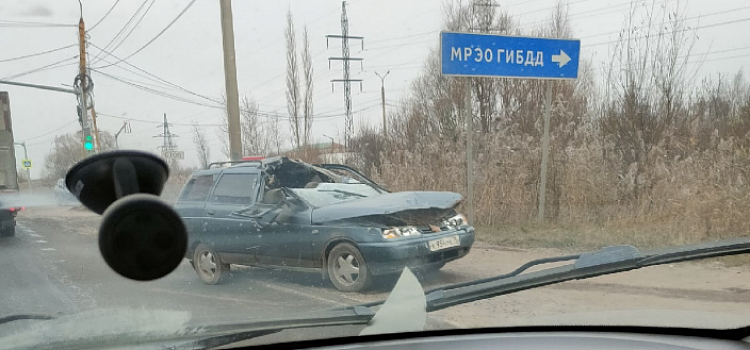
point(443, 243)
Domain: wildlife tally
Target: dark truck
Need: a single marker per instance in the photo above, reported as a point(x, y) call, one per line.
point(8, 176)
point(328, 219)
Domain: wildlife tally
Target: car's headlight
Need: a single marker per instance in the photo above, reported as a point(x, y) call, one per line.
point(458, 220)
point(401, 232)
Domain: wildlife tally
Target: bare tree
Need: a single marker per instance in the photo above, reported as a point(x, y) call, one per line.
point(276, 136)
point(646, 83)
point(292, 81)
point(201, 145)
point(259, 133)
point(307, 69)
point(256, 139)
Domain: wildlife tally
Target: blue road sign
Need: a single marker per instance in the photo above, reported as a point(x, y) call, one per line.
point(485, 55)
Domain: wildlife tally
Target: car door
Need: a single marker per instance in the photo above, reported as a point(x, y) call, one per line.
point(235, 237)
point(287, 237)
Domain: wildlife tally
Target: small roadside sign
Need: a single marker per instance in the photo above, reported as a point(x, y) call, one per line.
point(486, 55)
point(173, 154)
point(501, 56)
point(26, 163)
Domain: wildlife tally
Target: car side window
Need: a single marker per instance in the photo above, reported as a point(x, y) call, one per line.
point(236, 189)
point(198, 188)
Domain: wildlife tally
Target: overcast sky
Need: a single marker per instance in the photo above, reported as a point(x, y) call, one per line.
point(398, 37)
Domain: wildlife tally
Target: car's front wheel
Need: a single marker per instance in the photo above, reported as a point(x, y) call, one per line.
point(208, 265)
point(347, 269)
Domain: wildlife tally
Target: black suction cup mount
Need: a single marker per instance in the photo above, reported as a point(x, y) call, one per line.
point(140, 237)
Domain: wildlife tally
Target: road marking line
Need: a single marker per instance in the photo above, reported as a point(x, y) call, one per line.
point(23, 227)
point(48, 249)
point(211, 297)
point(295, 292)
point(41, 241)
point(36, 235)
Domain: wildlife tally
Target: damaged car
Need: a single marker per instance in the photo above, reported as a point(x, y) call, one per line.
point(326, 218)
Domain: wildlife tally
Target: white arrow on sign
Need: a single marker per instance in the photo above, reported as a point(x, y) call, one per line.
point(561, 59)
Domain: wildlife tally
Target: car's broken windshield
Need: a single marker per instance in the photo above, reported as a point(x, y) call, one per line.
point(329, 193)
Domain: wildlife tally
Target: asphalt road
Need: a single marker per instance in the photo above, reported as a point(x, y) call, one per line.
point(54, 267)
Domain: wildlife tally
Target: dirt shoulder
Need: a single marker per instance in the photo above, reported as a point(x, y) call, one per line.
point(718, 292)
point(77, 219)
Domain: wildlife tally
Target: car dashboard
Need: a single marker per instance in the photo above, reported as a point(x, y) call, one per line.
point(573, 338)
point(561, 341)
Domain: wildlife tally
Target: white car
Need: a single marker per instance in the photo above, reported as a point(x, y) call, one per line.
point(63, 195)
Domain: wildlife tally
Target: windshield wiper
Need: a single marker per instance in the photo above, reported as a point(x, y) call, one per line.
point(606, 261)
point(223, 334)
point(20, 317)
point(345, 192)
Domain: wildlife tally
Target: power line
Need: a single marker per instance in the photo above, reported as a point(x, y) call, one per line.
point(134, 26)
point(151, 121)
point(152, 85)
point(105, 16)
point(677, 31)
point(180, 99)
point(702, 54)
point(155, 92)
point(369, 43)
point(36, 54)
point(157, 35)
point(688, 18)
point(280, 75)
point(124, 27)
point(260, 47)
point(52, 65)
point(57, 129)
point(157, 79)
point(22, 24)
point(591, 13)
point(544, 9)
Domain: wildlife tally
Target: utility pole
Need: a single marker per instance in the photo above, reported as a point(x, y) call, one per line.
point(96, 128)
point(84, 81)
point(168, 145)
point(169, 148)
point(345, 58)
point(230, 78)
point(83, 88)
point(382, 98)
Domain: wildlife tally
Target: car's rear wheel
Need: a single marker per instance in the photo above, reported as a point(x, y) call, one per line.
point(208, 265)
point(8, 232)
point(347, 269)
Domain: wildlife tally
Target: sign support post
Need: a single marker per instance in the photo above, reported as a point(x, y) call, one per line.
point(469, 151)
point(545, 150)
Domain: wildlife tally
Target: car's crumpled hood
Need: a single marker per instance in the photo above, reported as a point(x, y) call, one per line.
point(386, 204)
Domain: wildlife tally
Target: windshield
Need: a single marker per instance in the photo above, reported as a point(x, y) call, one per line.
point(194, 164)
point(328, 193)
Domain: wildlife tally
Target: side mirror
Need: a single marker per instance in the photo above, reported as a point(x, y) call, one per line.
point(140, 236)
